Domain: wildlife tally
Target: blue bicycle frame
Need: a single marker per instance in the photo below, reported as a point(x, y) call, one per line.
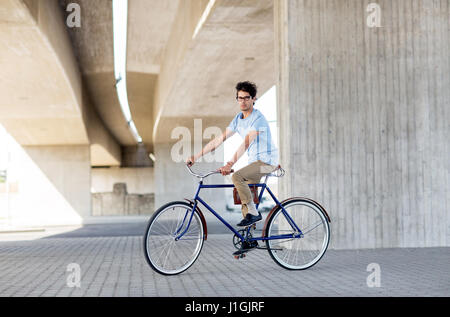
point(298, 233)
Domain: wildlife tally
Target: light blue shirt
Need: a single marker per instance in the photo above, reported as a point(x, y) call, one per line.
point(262, 148)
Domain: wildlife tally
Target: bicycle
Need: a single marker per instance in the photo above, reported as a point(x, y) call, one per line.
point(176, 232)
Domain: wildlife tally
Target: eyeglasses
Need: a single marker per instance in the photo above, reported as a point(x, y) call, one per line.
point(246, 98)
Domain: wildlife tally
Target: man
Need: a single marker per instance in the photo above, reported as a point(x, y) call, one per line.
point(253, 127)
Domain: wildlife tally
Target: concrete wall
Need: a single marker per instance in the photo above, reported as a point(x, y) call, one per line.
point(138, 180)
point(122, 191)
point(364, 117)
point(121, 203)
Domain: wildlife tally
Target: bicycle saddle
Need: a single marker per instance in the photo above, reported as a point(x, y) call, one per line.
point(278, 172)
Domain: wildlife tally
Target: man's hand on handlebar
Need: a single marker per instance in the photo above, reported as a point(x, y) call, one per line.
point(226, 170)
point(190, 161)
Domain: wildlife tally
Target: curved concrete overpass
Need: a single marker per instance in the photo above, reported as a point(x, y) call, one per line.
point(68, 96)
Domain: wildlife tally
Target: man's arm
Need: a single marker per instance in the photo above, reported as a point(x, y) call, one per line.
point(225, 170)
point(211, 146)
point(243, 147)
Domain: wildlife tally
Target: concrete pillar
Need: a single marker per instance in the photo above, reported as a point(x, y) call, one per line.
point(364, 116)
point(139, 180)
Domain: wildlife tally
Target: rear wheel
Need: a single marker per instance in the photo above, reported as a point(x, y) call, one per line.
point(163, 251)
point(298, 252)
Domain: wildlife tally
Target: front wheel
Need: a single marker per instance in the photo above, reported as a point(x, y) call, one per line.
point(164, 252)
point(298, 251)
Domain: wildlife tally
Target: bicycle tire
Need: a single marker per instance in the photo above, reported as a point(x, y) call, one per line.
point(278, 223)
point(160, 237)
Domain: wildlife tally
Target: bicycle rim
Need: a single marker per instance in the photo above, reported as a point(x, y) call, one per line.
point(298, 253)
point(165, 254)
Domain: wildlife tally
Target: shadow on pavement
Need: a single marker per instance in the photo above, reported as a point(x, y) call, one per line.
point(125, 229)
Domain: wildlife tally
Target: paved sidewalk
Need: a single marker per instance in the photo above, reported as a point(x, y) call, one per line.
point(115, 266)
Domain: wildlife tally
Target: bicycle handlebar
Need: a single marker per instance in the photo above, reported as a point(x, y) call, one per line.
point(279, 172)
point(205, 175)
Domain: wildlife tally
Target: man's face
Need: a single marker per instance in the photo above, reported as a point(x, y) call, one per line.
point(245, 100)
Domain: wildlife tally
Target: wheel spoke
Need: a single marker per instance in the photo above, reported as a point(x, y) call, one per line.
point(165, 254)
point(314, 227)
point(305, 251)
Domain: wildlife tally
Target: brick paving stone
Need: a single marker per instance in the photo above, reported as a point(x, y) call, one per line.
point(115, 266)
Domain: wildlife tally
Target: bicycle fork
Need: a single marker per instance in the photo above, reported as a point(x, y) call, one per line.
point(183, 222)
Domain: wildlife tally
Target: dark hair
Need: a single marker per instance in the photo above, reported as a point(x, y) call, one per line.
point(247, 86)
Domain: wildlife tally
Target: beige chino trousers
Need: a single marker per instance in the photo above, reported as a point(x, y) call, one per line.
point(250, 174)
